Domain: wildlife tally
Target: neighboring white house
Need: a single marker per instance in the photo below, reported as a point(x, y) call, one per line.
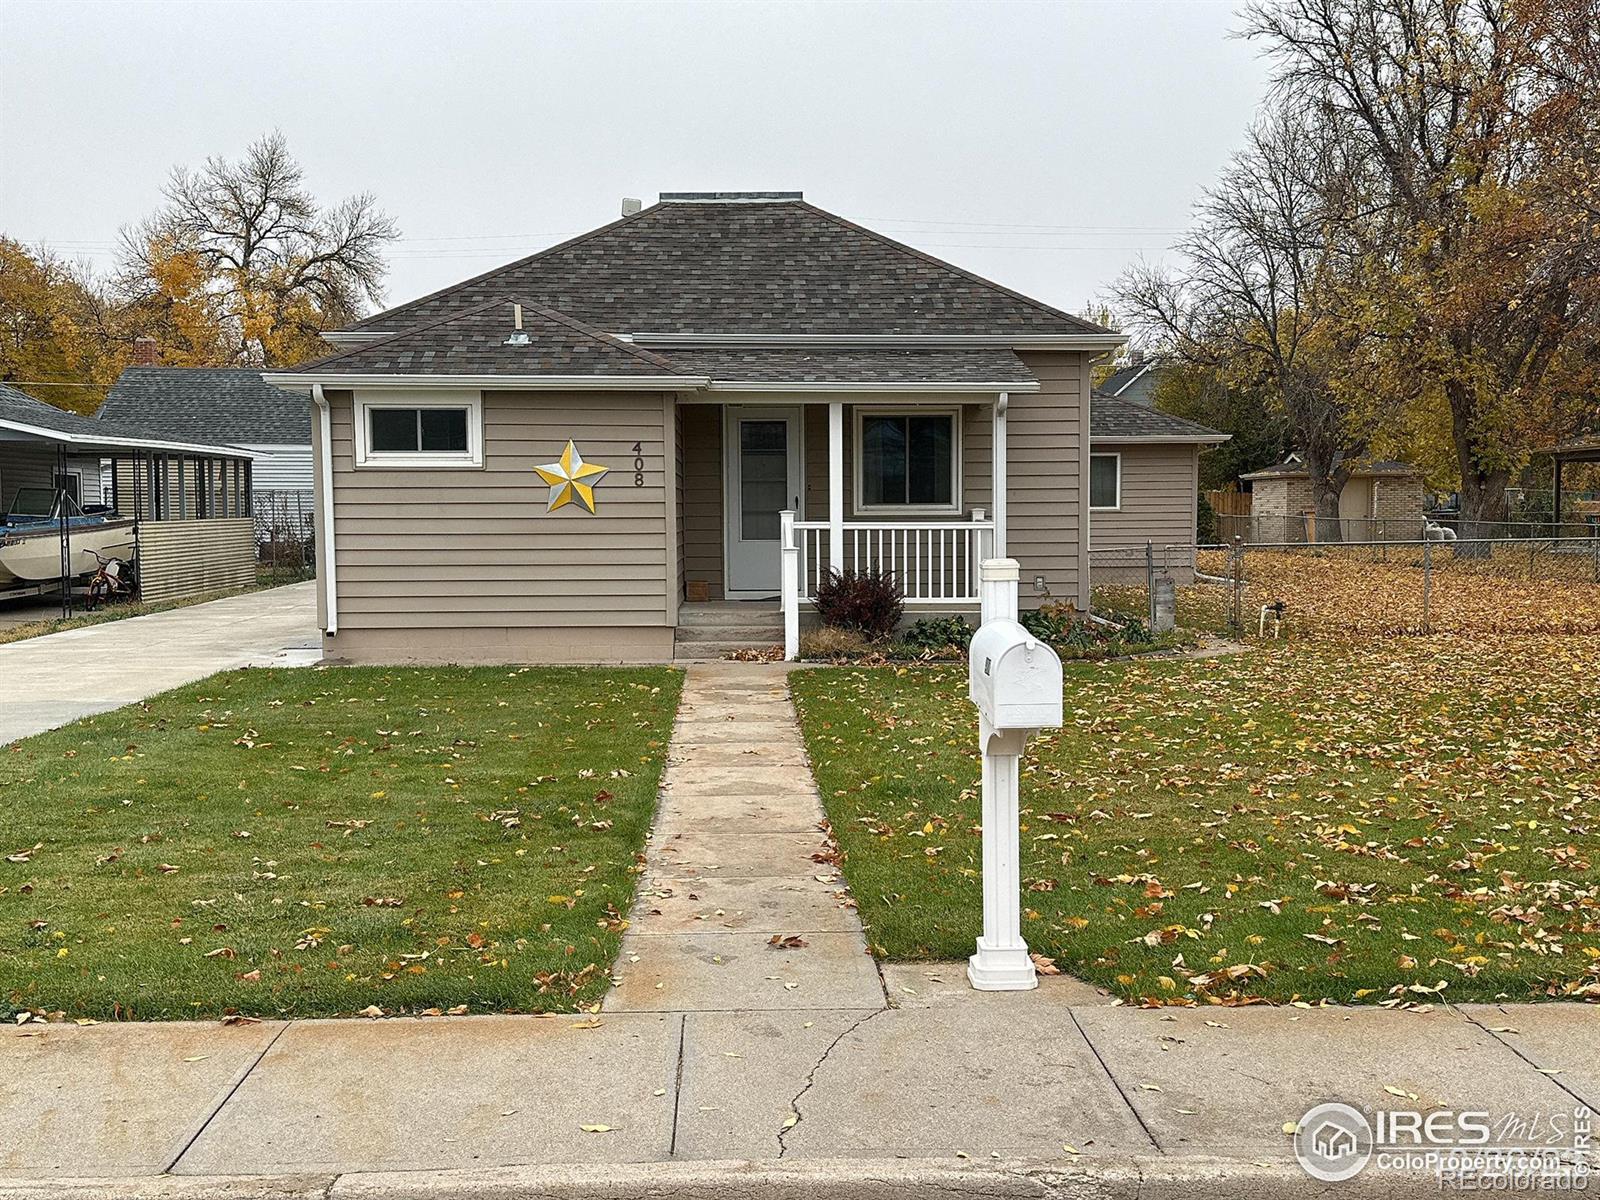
point(224, 406)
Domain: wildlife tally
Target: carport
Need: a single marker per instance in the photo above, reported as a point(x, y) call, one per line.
point(187, 505)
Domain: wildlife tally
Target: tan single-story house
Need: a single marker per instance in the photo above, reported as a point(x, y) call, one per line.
point(1382, 501)
point(660, 435)
point(1144, 481)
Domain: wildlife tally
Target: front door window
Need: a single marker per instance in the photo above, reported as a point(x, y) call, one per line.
point(763, 479)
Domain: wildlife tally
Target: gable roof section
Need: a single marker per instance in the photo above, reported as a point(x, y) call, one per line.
point(476, 341)
point(1123, 378)
point(208, 404)
point(780, 267)
point(1113, 420)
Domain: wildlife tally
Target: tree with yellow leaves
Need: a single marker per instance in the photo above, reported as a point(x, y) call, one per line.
point(1472, 130)
point(56, 325)
point(241, 265)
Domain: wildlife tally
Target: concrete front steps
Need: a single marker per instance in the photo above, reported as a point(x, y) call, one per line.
point(708, 631)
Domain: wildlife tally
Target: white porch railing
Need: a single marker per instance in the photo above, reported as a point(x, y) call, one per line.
point(934, 562)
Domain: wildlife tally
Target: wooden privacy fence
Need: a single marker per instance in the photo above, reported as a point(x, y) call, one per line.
point(183, 558)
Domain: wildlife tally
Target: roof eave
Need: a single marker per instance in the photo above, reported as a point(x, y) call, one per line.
point(1203, 439)
point(879, 386)
point(123, 442)
point(547, 383)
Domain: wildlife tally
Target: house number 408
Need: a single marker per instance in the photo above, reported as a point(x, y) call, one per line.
point(638, 464)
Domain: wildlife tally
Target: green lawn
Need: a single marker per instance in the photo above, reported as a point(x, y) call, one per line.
point(313, 842)
point(1356, 822)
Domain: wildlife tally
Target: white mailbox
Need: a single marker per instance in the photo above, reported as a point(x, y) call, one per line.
point(1013, 678)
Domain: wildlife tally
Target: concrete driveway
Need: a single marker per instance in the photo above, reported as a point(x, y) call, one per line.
point(48, 681)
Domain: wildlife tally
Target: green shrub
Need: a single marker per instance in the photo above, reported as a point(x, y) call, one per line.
point(869, 602)
point(935, 634)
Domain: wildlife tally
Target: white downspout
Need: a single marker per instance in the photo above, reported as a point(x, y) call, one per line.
point(1000, 403)
point(330, 587)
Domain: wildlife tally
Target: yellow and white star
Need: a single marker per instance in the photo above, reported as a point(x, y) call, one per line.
point(571, 479)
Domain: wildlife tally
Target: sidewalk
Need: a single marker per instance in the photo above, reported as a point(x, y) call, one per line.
point(61, 677)
point(724, 1067)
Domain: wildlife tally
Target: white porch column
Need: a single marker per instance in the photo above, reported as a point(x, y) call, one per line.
point(999, 475)
point(836, 485)
point(789, 575)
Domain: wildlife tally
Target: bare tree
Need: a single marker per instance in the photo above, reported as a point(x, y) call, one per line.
point(1251, 302)
point(279, 268)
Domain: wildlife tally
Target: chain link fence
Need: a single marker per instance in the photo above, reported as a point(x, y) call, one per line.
point(1519, 585)
point(1161, 583)
point(285, 532)
point(1269, 529)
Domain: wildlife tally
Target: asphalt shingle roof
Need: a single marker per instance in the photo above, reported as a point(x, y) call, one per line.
point(1110, 418)
point(783, 267)
point(210, 405)
point(855, 366)
point(1295, 467)
point(474, 341)
point(25, 410)
point(1122, 377)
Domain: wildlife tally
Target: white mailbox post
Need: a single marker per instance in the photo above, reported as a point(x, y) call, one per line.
point(1015, 680)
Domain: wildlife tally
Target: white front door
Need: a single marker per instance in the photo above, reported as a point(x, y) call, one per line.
point(761, 451)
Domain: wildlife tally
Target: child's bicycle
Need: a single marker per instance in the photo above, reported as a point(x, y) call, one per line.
point(113, 580)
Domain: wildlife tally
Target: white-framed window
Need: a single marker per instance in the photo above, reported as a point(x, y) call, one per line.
point(407, 429)
point(908, 461)
point(1105, 481)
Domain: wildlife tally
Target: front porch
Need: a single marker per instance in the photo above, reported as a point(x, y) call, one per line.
point(774, 494)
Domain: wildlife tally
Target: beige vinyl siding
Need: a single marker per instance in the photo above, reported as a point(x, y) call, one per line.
point(447, 549)
point(185, 558)
point(1047, 509)
point(702, 495)
point(1159, 491)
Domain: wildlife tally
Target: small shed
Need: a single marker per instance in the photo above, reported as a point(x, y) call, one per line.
point(187, 505)
point(1381, 501)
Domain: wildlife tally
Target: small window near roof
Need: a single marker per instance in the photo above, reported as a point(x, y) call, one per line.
point(1105, 481)
point(418, 430)
point(435, 434)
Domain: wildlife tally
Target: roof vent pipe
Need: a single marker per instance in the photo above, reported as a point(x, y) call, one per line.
point(630, 206)
point(518, 337)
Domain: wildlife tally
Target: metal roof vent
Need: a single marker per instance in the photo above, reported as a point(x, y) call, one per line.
point(518, 337)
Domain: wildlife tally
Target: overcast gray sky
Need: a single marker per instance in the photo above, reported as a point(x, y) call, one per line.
point(1045, 145)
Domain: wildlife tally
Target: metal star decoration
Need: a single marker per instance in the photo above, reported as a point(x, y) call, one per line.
point(571, 479)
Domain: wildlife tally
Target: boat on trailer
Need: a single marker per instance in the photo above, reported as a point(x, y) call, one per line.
point(30, 539)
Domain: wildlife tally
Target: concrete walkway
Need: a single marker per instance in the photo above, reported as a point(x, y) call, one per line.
point(50, 680)
point(738, 858)
point(944, 1085)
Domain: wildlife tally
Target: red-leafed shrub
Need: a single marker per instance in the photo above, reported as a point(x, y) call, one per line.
point(869, 602)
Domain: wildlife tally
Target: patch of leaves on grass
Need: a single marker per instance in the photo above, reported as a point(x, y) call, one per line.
point(1390, 821)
